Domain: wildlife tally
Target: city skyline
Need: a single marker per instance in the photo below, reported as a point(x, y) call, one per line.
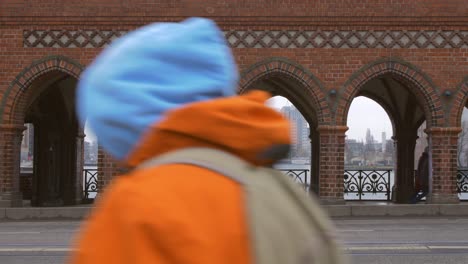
point(363, 114)
point(376, 119)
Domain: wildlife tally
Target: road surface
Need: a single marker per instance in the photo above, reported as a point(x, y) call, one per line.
point(376, 240)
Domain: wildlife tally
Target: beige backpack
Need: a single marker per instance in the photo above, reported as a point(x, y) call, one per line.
point(288, 226)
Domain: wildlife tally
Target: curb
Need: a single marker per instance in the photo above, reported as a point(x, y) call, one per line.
point(397, 210)
point(44, 213)
point(334, 211)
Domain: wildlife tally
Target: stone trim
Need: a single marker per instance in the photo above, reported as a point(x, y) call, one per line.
point(380, 39)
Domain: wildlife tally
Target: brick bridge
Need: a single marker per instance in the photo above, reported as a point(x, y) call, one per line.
point(409, 56)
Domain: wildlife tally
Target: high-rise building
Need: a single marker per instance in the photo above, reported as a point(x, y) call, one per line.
point(299, 131)
point(369, 137)
point(384, 141)
point(90, 152)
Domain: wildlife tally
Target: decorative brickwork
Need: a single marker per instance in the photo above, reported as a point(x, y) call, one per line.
point(380, 39)
point(70, 38)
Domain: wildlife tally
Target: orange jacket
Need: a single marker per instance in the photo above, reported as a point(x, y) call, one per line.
point(182, 213)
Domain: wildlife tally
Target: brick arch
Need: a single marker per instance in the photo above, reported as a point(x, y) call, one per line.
point(284, 68)
point(460, 101)
point(13, 104)
point(414, 79)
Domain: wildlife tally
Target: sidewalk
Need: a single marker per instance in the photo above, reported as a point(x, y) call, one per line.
point(351, 209)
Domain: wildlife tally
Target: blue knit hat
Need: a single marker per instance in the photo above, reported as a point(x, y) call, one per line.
point(149, 71)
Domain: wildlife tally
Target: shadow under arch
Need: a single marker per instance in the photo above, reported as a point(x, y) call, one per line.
point(418, 83)
point(44, 95)
point(409, 98)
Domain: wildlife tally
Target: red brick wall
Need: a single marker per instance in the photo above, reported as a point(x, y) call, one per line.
point(370, 9)
point(439, 69)
point(332, 146)
point(10, 140)
point(444, 162)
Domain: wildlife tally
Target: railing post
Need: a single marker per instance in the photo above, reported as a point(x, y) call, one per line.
point(86, 193)
point(388, 185)
point(360, 185)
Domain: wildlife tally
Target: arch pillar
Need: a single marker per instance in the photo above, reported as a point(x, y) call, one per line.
point(108, 169)
point(10, 148)
point(405, 140)
point(77, 187)
point(331, 168)
point(314, 161)
point(443, 184)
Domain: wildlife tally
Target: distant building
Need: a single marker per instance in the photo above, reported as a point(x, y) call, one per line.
point(384, 141)
point(369, 153)
point(90, 153)
point(299, 131)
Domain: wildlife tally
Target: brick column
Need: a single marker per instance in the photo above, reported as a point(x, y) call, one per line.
point(444, 144)
point(331, 171)
point(404, 172)
point(108, 168)
point(10, 148)
point(78, 184)
point(314, 161)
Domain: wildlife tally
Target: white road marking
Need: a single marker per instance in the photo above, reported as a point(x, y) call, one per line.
point(448, 247)
point(407, 247)
point(356, 230)
point(36, 249)
point(18, 233)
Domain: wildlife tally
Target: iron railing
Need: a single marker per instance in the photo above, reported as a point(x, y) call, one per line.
point(462, 181)
point(364, 183)
point(300, 176)
point(90, 186)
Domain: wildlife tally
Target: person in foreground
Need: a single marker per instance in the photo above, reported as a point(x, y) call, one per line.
point(162, 100)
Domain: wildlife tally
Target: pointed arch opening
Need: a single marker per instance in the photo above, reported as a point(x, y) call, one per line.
point(410, 99)
point(308, 104)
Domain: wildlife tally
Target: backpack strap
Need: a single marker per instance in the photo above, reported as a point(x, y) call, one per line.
point(215, 160)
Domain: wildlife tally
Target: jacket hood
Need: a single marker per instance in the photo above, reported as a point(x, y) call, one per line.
point(149, 71)
point(242, 125)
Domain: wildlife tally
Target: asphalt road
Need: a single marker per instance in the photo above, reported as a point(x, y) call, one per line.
point(386, 241)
